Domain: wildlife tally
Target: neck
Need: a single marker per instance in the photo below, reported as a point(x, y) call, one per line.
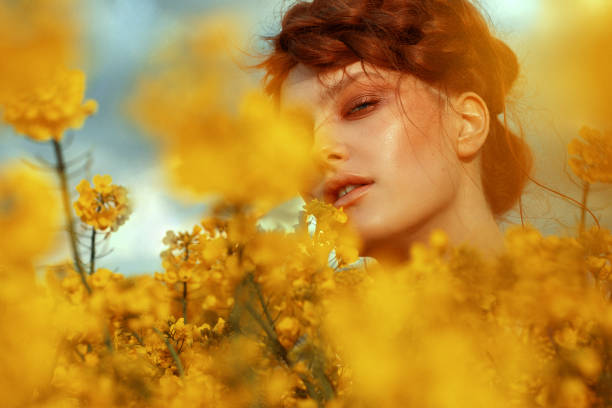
point(466, 220)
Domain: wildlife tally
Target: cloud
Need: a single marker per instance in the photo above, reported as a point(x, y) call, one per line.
point(138, 242)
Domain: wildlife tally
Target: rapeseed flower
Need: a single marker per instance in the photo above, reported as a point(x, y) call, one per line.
point(591, 156)
point(251, 153)
point(46, 110)
point(35, 37)
point(103, 277)
point(277, 323)
point(241, 316)
point(29, 214)
point(103, 206)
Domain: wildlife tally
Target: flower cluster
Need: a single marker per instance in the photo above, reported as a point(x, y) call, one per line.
point(54, 105)
point(29, 213)
point(104, 206)
point(39, 95)
point(242, 138)
point(35, 38)
point(592, 157)
point(242, 316)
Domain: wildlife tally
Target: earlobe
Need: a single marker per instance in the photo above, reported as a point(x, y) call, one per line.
point(473, 115)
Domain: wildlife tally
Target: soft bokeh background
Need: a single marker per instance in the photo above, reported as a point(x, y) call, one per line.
point(565, 50)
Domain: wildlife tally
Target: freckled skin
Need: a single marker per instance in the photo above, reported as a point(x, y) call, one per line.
point(418, 177)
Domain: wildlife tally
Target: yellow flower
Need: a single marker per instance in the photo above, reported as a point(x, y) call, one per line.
point(213, 249)
point(50, 107)
point(29, 213)
point(209, 302)
point(185, 273)
point(332, 231)
point(102, 277)
point(182, 257)
point(347, 253)
point(288, 329)
point(103, 206)
point(592, 159)
point(220, 326)
point(326, 214)
point(566, 337)
point(588, 361)
point(35, 36)
point(438, 239)
point(251, 153)
point(32, 348)
point(446, 328)
point(574, 393)
point(180, 331)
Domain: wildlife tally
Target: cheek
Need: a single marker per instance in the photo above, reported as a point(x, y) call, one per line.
point(414, 180)
point(415, 158)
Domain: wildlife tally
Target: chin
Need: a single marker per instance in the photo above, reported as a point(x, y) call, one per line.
point(382, 236)
point(371, 235)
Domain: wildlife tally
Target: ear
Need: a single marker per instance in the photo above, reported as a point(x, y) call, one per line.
point(473, 120)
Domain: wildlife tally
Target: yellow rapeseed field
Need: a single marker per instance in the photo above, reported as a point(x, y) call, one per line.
point(245, 317)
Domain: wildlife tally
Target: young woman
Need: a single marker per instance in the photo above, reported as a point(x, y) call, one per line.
point(408, 102)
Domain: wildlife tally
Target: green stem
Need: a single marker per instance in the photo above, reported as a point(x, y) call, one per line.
point(175, 356)
point(107, 340)
point(137, 337)
point(92, 257)
point(185, 302)
point(61, 172)
point(277, 347)
point(585, 194)
point(262, 302)
point(184, 298)
point(323, 391)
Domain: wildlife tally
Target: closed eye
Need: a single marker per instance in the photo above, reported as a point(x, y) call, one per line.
point(361, 107)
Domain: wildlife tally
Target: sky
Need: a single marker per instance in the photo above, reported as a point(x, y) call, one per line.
point(120, 36)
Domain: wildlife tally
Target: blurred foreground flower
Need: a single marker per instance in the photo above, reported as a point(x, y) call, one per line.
point(35, 37)
point(241, 316)
point(252, 155)
point(49, 108)
point(29, 222)
point(39, 97)
point(29, 214)
point(257, 157)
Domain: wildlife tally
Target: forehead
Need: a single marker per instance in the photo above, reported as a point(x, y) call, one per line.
point(303, 84)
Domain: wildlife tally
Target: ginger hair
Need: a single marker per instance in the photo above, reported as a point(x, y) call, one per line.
point(445, 43)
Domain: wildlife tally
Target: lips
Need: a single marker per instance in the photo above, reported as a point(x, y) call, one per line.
point(352, 196)
point(335, 184)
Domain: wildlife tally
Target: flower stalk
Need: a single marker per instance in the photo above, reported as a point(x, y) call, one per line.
point(184, 297)
point(61, 172)
point(92, 257)
point(585, 194)
point(184, 301)
point(173, 353)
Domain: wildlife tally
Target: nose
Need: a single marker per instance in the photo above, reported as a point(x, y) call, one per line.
point(329, 150)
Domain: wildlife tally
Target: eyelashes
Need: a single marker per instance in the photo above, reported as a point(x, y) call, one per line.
point(360, 106)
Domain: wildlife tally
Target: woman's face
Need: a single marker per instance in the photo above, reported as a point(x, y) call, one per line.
point(403, 166)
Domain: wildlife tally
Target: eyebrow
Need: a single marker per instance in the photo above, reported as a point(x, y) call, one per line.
point(347, 80)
